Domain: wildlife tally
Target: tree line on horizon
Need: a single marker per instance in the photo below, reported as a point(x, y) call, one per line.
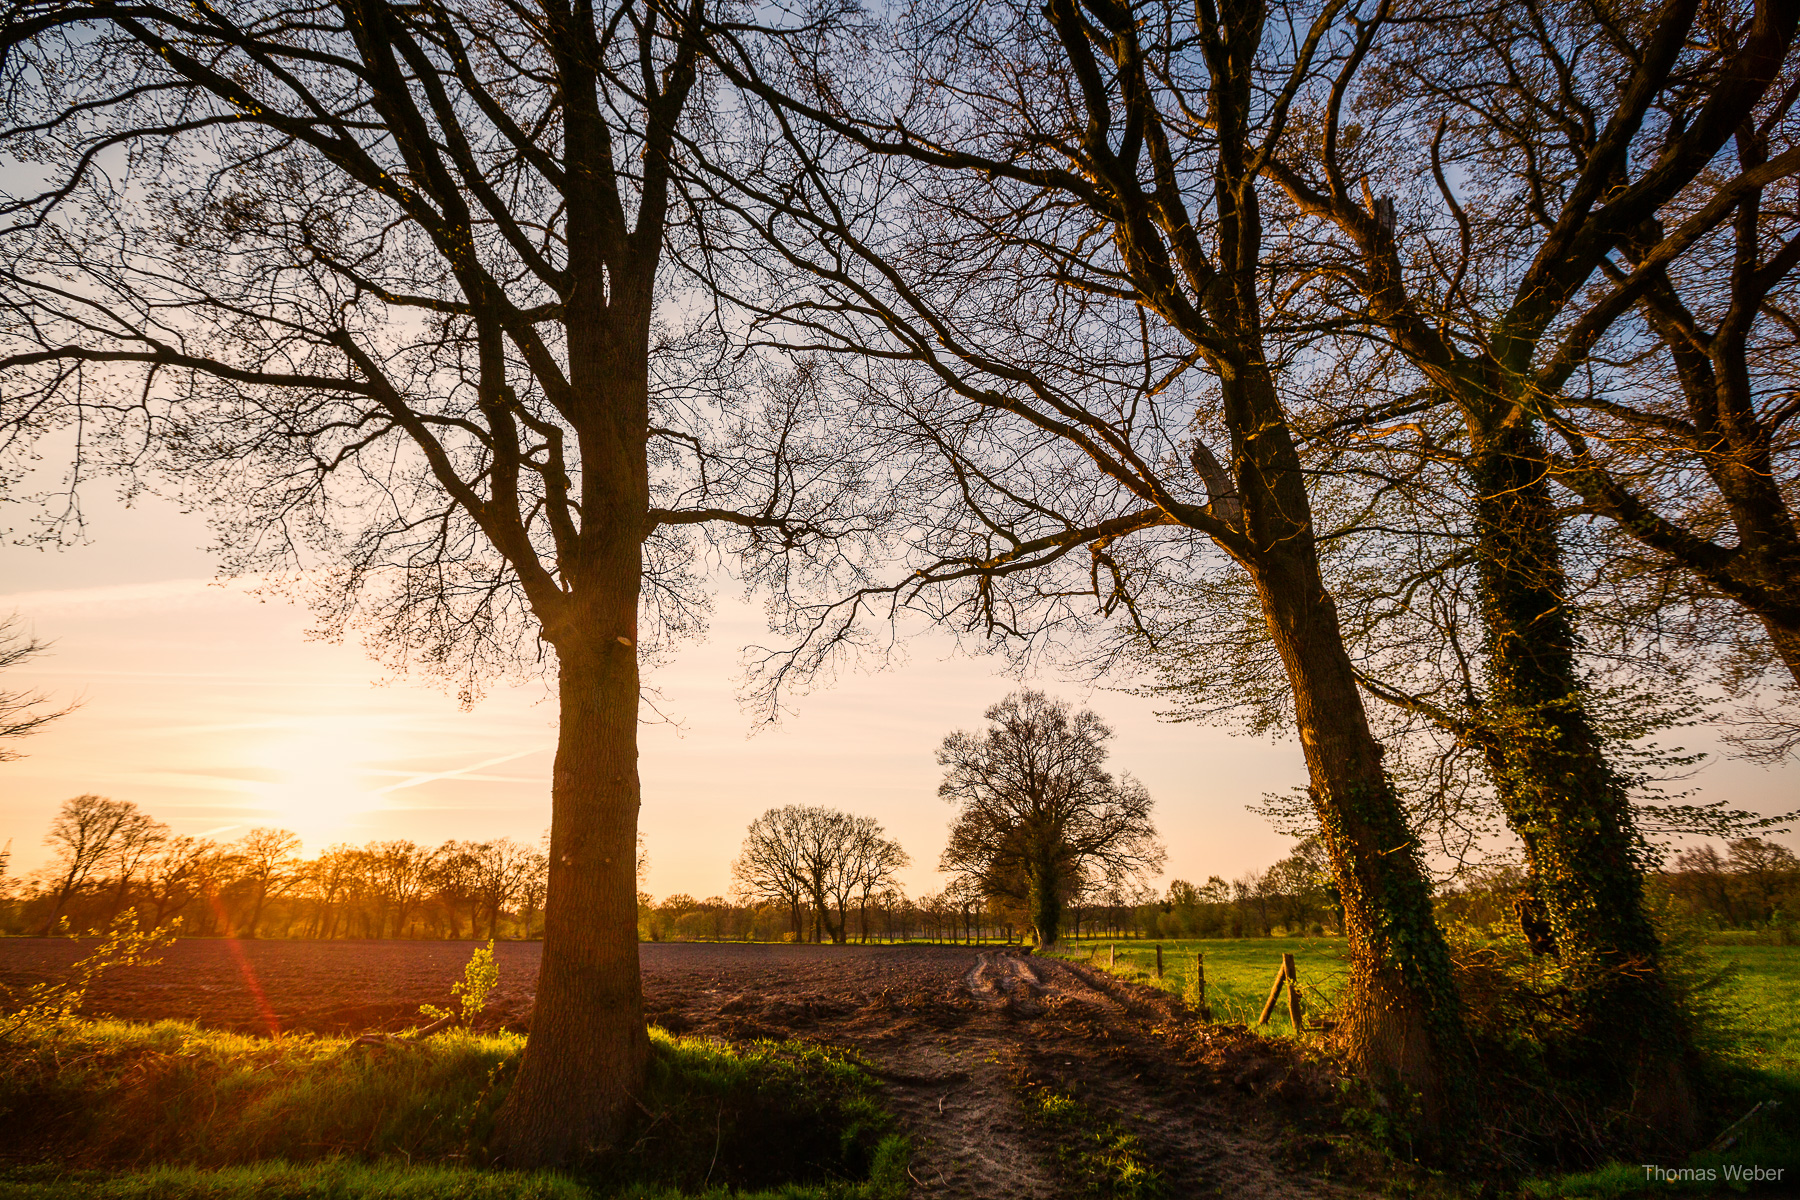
point(110, 857)
point(1413, 377)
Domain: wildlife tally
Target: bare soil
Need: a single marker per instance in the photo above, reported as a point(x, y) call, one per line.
point(953, 1031)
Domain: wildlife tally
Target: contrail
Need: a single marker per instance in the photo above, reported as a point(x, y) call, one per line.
point(416, 780)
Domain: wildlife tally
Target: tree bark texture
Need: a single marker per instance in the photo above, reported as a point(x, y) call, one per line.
point(588, 1053)
point(1560, 795)
point(1403, 1020)
point(586, 1059)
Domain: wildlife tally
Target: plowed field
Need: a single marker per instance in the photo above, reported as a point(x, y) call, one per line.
point(956, 1033)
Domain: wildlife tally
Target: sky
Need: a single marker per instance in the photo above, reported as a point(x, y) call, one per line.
point(210, 708)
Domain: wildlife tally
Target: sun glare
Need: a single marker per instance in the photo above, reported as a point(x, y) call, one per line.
point(322, 784)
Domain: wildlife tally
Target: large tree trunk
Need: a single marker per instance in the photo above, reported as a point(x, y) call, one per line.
point(1401, 1018)
point(585, 1062)
point(1561, 797)
point(1045, 899)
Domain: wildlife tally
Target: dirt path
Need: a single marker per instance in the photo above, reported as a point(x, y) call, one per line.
point(956, 1036)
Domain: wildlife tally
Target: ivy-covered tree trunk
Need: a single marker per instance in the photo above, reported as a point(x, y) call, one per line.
point(1560, 795)
point(1402, 1019)
point(1044, 897)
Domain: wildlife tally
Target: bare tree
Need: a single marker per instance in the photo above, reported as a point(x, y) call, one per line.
point(771, 865)
point(172, 878)
point(1570, 135)
point(398, 872)
point(453, 882)
point(388, 284)
point(1051, 296)
point(814, 860)
point(21, 712)
point(81, 837)
point(139, 837)
point(500, 870)
point(1685, 440)
point(267, 861)
point(873, 869)
point(531, 890)
point(1039, 815)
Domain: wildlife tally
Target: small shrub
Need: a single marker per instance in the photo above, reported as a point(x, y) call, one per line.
point(46, 1006)
point(480, 975)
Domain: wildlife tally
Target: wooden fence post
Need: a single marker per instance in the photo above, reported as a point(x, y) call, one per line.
point(1274, 993)
point(1293, 982)
point(1159, 960)
point(1200, 986)
point(1112, 956)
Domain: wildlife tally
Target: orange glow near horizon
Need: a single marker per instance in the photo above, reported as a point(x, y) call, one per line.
point(319, 780)
point(211, 709)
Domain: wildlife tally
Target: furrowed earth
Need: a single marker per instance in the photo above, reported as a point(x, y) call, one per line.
point(957, 1034)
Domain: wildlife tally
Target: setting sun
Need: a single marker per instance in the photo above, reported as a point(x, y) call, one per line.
point(319, 783)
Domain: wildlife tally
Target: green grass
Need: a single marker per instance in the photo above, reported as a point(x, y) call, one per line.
point(225, 1115)
point(1768, 986)
point(1238, 971)
point(339, 1180)
point(1756, 1044)
point(290, 1181)
point(1099, 1155)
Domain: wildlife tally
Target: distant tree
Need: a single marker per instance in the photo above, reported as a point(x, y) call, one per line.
point(137, 839)
point(771, 866)
point(1766, 869)
point(814, 859)
point(874, 867)
point(452, 881)
point(397, 873)
point(20, 711)
point(81, 837)
point(266, 868)
point(172, 875)
point(1700, 876)
point(531, 891)
point(1301, 883)
point(330, 879)
point(1039, 813)
point(501, 867)
point(1251, 892)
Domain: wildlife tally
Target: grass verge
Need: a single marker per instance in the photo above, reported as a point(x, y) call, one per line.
point(1748, 1002)
point(108, 1108)
point(340, 1180)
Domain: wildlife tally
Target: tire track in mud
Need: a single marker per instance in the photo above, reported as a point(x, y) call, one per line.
point(954, 1050)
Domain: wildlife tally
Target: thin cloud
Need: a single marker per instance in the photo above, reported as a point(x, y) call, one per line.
point(416, 780)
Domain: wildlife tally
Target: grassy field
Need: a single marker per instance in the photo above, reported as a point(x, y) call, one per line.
point(1759, 987)
point(1767, 984)
point(1764, 981)
point(1238, 971)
